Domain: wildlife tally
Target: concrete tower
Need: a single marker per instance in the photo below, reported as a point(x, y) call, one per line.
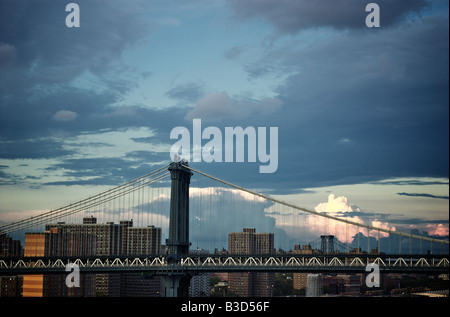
point(177, 284)
point(327, 245)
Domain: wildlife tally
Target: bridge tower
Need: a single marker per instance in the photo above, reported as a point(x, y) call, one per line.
point(327, 245)
point(176, 282)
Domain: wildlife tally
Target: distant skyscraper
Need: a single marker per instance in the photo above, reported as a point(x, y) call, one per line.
point(200, 285)
point(299, 279)
point(9, 246)
point(314, 285)
point(249, 242)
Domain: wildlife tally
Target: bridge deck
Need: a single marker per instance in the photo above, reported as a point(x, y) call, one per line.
point(355, 263)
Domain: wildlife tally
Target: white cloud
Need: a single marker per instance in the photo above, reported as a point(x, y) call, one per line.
point(437, 230)
point(344, 141)
point(112, 143)
point(219, 106)
point(334, 205)
point(64, 116)
point(339, 207)
point(212, 107)
point(308, 227)
point(220, 191)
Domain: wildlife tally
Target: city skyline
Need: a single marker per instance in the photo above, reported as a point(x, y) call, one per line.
point(362, 113)
point(63, 239)
point(360, 243)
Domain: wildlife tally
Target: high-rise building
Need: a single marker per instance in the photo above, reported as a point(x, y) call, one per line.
point(137, 285)
point(88, 238)
point(242, 242)
point(299, 280)
point(9, 246)
point(143, 240)
point(33, 285)
point(93, 239)
point(11, 286)
point(314, 285)
point(200, 285)
point(248, 242)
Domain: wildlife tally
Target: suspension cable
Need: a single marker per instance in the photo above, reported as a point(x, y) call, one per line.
point(318, 213)
point(87, 203)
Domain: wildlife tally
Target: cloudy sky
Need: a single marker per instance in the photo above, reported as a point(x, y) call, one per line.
point(362, 113)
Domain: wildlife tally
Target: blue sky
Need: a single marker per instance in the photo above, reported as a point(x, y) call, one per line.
point(361, 112)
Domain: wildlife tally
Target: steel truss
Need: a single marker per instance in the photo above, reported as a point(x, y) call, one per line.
point(243, 263)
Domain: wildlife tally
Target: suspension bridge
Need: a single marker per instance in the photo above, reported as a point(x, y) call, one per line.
point(177, 221)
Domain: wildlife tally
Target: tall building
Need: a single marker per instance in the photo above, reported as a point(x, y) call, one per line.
point(143, 240)
point(314, 285)
point(11, 286)
point(9, 246)
point(200, 285)
point(33, 285)
point(299, 280)
point(93, 239)
point(88, 238)
point(249, 242)
point(242, 242)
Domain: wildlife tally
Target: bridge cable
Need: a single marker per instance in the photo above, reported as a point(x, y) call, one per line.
point(92, 201)
point(401, 234)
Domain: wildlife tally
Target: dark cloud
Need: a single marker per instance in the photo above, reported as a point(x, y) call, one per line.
point(292, 16)
point(97, 169)
point(189, 92)
point(5, 177)
point(415, 221)
point(32, 149)
point(55, 53)
point(147, 156)
point(386, 95)
point(234, 52)
point(356, 106)
point(41, 57)
point(106, 170)
point(410, 182)
point(423, 195)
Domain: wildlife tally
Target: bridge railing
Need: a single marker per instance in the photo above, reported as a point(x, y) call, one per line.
point(230, 263)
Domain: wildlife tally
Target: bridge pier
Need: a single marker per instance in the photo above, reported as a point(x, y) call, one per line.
point(177, 284)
